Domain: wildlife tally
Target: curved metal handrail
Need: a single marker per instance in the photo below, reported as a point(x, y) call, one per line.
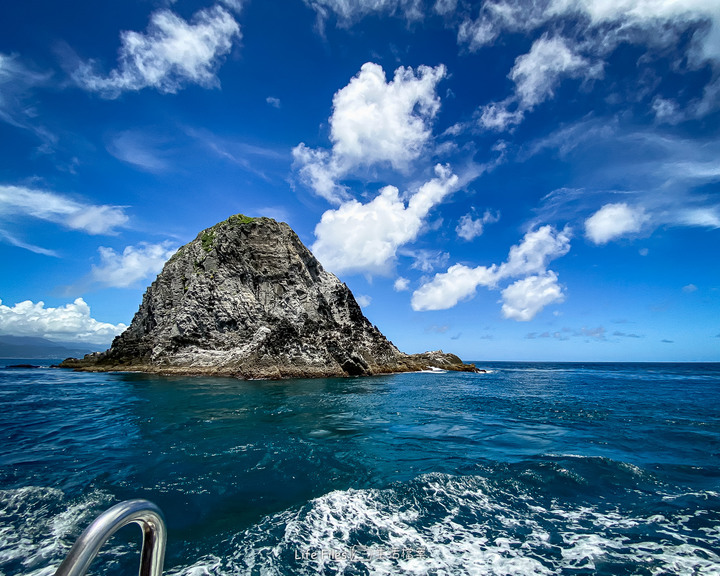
point(142, 512)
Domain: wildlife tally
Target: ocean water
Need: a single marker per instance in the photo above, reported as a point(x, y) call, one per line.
point(527, 469)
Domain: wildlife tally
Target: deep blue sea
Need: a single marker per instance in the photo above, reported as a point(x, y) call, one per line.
point(531, 468)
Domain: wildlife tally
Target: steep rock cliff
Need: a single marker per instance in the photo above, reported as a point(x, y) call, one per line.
point(246, 298)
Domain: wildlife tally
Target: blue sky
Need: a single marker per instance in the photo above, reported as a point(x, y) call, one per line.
point(507, 181)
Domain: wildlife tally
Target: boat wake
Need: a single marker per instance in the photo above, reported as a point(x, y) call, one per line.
point(442, 524)
point(39, 525)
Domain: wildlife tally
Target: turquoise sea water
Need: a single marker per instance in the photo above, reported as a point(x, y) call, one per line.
point(528, 469)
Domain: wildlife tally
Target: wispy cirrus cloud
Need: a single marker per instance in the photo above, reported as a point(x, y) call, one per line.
point(147, 151)
point(618, 20)
point(13, 240)
point(536, 75)
point(159, 150)
point(347, 13)
point(243, 154)
point(632, 181)
point(61, 209)
point(169, 55)
point(584, 34)
point(18, 82)
point(598, 333)
point(426, 260)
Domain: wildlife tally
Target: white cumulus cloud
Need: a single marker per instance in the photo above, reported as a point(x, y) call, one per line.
point(523, 299)
point(401, 284)
point(374, 122)
point(470, 228)
point(319, 170)
point(90, 218)
point(446, 289)
point(364, 238)
point(498, 116)
point(535, 252)
point(378, 121)
point(70, 323)
point(537, 73)
point(614, 221)
point(363, 300)
point(171, 54)
point(135, 263)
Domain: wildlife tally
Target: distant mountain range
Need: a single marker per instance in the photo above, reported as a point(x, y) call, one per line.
point(34, 347)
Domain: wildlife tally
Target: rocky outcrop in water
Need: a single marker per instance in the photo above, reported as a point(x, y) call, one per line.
point(246, 298)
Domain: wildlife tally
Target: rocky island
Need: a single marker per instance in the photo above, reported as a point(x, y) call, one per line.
point(247, 299)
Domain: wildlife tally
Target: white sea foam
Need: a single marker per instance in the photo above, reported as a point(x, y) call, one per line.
point(38, 525)
point(432, 370)
point(436, 524)
point(461, 526)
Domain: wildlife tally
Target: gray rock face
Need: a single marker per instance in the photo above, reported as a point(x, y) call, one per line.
point(247, 298)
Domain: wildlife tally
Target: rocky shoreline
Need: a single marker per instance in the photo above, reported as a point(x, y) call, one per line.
point(410, 363)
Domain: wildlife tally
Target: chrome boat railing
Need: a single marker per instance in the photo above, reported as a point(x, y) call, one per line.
point(141, 512)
